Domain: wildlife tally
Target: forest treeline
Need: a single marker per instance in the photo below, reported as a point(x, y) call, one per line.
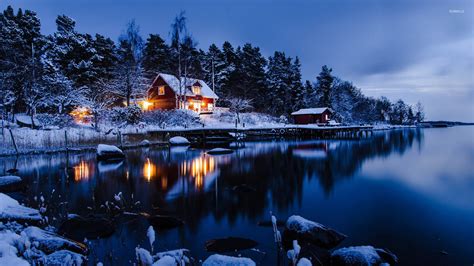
point(55, 73)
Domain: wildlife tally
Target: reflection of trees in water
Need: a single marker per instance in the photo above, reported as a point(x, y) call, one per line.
point(183, 182)
point(277, 175)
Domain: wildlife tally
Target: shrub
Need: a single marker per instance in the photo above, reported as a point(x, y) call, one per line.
point(173, 118)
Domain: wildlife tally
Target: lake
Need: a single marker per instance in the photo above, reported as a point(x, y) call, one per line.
point(411, 191)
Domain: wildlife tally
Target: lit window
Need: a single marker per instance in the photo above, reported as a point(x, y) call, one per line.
point(210, 106)
point(196, 90)
point(327, 117)
point(161, 90)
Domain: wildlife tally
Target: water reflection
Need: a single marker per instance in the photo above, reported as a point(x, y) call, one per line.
point(288, 177)
point(82, 171)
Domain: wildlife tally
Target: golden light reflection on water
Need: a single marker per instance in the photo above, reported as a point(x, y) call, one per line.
point(149, 170)
point(198, 168)
point(81, 171)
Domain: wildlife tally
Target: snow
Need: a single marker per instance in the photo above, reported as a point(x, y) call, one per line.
point(50, 242)
point(360, 255)
point(311, 111)
point(173, 83)
point(301, 225)
point(143, 256)
point(304, 262)
point(9, 179)
point(104, 149)
point(11, 209)
point(8, 249)
point(26, 120)
point(150, 233)
point(63, 257)
point(178, 255)
point(223, 260)
point(165, 261)
point(178, 140)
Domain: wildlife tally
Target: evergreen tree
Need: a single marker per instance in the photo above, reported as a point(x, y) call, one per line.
point(279, 84)
point(252, 70)
point(297, 90)
point(157, 57)
point(324, 86)
point(213, 65)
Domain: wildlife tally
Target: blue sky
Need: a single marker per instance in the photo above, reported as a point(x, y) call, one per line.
point(414, 50)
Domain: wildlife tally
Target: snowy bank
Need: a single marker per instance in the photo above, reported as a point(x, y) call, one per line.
point(10, 209)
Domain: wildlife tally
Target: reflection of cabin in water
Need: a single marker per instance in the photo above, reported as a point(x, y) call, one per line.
point(165, 90)
point(320, 115)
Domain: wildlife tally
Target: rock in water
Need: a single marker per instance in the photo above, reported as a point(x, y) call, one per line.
point(62, 257)
point(11, 210)
point(163, 222)
point(222, 260)
point(305, 230)
point(11, 183)
point(50, 242)
point(217, 151)
point(109, 152)
point(362, 255)
point(77, 227)
point(178, 141)
point(229, 244)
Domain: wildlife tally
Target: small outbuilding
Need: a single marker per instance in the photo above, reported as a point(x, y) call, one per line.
point(320, 115)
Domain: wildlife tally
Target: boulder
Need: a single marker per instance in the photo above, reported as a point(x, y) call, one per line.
point(221, 260)
point(230, 244)
point(109, 152)
point(11, 210)
point(49, 242)
point(178, 141)
point(11, 183)
point(308, 231)
point(77, 227)
point(362, 255)
point(217, 151)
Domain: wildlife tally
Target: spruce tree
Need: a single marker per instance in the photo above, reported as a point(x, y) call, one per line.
point(157, 57)
point(324, 85)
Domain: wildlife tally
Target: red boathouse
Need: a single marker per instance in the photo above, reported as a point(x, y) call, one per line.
point(320, 115)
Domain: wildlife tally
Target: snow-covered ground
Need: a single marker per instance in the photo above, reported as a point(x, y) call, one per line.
point(53, 138)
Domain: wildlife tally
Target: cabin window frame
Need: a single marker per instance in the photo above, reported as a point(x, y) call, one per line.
point(161, 90)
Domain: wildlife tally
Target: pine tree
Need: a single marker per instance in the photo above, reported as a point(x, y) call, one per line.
point(279, 84)
point(324, 85)
point(252, 70)
point(157, 57)
point(213, 65)
point(297, 89)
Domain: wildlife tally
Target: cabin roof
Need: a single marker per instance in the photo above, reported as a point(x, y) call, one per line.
point(312, 111)
point(173, 82)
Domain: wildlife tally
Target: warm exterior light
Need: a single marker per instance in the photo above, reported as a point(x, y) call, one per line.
point(145, 105)
point(203, 104)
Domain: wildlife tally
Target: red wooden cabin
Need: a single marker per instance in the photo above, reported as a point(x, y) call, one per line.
point(165, 94)
point(312, 115)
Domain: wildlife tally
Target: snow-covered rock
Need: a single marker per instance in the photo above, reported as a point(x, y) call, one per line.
point(10, 209)
point(25, 121)
point(10, 183)
point(49, 242)
point(362, 255)
point(165, 261)
point(106, 152)
point(219, 151)
point(304, 262)
point(9, 241)
point(222, 260)
point(305, 230)
point(178, 140)
point(178, 255)
point(63, 257)
point(143, 256)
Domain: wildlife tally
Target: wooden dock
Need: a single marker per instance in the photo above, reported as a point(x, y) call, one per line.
point(217, 135)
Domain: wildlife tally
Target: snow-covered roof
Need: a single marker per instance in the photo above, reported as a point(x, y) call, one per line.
point(173, 82)
point(311, 111)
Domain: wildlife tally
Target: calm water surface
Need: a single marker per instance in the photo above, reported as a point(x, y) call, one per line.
point(411, 191)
